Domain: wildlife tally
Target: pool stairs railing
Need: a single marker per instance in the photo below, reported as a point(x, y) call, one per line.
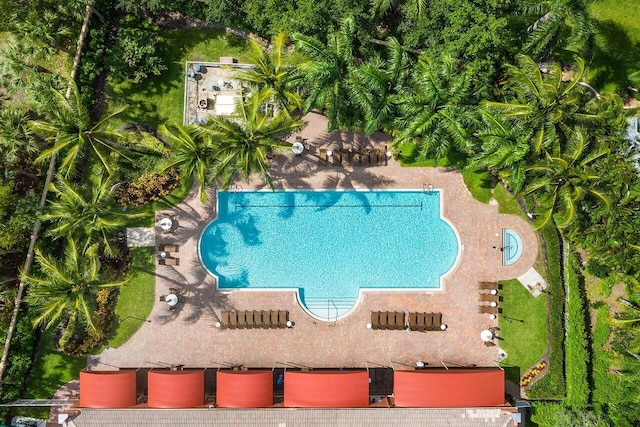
point(329, 309)
point(235, 188)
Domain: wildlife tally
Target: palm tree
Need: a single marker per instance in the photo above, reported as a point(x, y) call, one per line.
point(16, 141)
point(375, 85)
point(327, 72)
point(248, 141)
point(65, 289)
point(45, 33)
point(68, 126)
point(192, 151)
point(560, 182)
point(382, 7)
point(86, 213)
point(272, 72)
point(555, 18)
point(436, 113)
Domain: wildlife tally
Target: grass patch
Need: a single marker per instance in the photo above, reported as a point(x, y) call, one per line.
point(161, 98)
point(523, 328)
point(50, 371)
point(136, 299)
point(617, 51)
point(507, 202)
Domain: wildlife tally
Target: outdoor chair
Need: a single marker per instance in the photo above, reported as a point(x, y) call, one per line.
point(489, 344)
point(257, 319)
point(168, 248)
point(241, 322)
point(169, 261)
point(323, 156)
point(428, 321)
point(366, 156)
point(413, 321)
point(382, 155)
point(437, 321)
point(421, 322)
point(375, 320)
point(383, 319)
point(266, 319)
point(225, 320)
point(487, 309)
point(274, 319)
point(163, 298)
point(489, 298)
point(233, 319)
point(346, 157)
point(283, 318)
point(337, 157)
point(399, 320)
point(356, 159)
point(488, 286)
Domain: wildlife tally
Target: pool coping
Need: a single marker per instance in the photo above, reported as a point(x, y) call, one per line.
point(440, 288)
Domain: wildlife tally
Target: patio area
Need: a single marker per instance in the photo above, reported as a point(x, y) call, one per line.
point(187, 336)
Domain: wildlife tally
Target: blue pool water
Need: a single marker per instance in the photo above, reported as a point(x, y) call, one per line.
point(511, 246)
point(328, 244)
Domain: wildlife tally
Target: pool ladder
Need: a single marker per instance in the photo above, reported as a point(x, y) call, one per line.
point(235, 188)
point(427, 188)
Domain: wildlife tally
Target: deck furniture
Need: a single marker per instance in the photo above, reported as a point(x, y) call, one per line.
point(489, 298)
point(375, 320)
point(233, 320)
point(323, 156)
point(366, 156)
point(168, 248)
point(437, 321)
point(382, 155)
point(356, 159)
point(274, 319)
point(487, 309)
point(283, 318)
point(413, 321)
point(383, 319)
point(489, 344)
point(257, 319)
point(266, 319)
point(421, 322)
point(225, 320)
point(242, 319)
point(346, 157)
point(163, 298)
point(337, 157)
point(398, 322)
point(488, 286)
point(169, 261)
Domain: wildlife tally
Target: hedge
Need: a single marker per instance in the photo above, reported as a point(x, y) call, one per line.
point(552, 385)
point(576, 346)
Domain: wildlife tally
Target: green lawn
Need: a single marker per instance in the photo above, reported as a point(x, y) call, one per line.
point(523, 328)
point(161, 98)
point(617, 52)
point(136, 298)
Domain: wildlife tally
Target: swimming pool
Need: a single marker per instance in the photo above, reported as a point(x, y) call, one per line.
point(329, 245)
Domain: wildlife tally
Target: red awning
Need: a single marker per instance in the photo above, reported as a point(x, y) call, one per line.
point(175, 389)
point(107, 389)
point(455, 388)
point(244, 389)
point(326, 389)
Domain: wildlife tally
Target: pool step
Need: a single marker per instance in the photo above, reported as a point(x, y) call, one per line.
point(329, 309)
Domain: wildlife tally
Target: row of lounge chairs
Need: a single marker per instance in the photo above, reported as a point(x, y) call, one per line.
point(349, 157)
point(422, 322)
point(244, 319)
point(395, 320)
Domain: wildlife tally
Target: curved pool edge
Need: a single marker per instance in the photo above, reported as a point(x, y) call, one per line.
point(359, 298)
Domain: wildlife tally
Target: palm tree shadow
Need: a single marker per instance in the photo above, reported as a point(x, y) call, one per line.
point(615, 57)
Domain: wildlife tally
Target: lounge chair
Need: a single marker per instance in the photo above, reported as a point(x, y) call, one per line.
point(489, 298)
point(346, 157)
point(366, 156)
point(169, 261)
point(382, 155)
point(375, 320)
point(337, 157)
point(323, 156)
point(421, 322)
point(257, 319)
point(428, 318)
point(274, 319)
point(225, 320)
point(266, 319)
point(163, 298)
point(489, 344)
point(383, 319)
point(437, 321)
point(168, 248)
point(233, 319)
point(283, 317)
point(487, 309)
point(413, 321)
point(400, 320)
point(242, 319)
point(488, 286)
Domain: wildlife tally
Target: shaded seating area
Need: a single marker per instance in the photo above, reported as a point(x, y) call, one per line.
point(175, 389)
point(349, 156)
point(326, 389)
point(107, 389)
point(388, 320)
point(246, 319)
point(244, 389)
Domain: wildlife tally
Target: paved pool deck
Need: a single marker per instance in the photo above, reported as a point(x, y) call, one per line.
point(187, 335)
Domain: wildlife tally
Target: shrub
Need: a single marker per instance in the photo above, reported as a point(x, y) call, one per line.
point(148, 188)
point(597, 269)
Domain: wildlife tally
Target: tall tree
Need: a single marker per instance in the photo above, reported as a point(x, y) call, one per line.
point(248, 140)
point(382, 7)
point(65, 289)
point(68, 126)
point(375, 85)
point(272, 72)
point(327, 73)
point(86, 213)
point(560, 182)
point(18, 144)
point(192, 151)
point(436, 113)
